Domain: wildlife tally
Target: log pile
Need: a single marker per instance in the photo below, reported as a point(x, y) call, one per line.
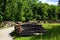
point(29, 29)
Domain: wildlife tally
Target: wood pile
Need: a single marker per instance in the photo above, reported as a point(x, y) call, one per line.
point(29, 29)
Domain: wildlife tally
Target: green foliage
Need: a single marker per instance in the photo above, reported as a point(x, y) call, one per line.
point(1, 18)
point(27, 10)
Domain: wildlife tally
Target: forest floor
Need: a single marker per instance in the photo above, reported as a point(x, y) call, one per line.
point(5, 33)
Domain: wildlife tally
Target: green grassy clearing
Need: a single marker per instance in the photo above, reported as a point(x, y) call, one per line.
point(53, 33)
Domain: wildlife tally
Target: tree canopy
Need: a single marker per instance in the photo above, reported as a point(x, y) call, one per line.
point(27, 10)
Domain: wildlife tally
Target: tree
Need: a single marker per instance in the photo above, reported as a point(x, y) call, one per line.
point(27, 10)
point(1, 18)
point(59, 2)
point(44, 11)
point(58, 12)
point(10, 10)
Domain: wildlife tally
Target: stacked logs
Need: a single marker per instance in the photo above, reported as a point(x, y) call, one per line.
point(29, 28)
point(18, 27)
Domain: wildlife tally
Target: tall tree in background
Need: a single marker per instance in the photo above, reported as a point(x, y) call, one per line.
point(27, 10)
point(44, 11)
point(18, 14)
point(52, 12)
point(10, 10)
point(58, 12)
point(3, 5)
point(14, 9)
point(7, 10)
point(59, 2)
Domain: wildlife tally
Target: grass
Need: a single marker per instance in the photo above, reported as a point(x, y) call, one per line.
point(53, 33)
point(50, 25)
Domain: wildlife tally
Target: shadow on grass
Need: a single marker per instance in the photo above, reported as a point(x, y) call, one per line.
point(15, 34)
point(54, 32)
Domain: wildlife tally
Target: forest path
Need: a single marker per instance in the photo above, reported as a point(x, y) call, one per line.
point(5, 33)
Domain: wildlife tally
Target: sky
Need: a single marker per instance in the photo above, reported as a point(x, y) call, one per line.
point(50, 2)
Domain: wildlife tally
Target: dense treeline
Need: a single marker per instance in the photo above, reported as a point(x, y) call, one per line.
point(25, 10)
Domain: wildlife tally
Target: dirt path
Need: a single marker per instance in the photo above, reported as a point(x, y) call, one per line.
point(5, 33)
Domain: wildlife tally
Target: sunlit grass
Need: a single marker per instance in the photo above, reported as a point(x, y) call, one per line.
point(53, 33)
point(50, 25)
